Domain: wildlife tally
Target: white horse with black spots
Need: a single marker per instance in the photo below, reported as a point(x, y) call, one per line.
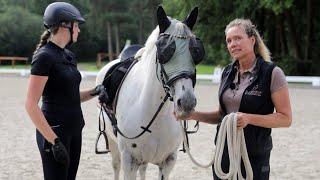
point(166, 67)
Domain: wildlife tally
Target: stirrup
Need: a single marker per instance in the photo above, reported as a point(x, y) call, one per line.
point(107, 143)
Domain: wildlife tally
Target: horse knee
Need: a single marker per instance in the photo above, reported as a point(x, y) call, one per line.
point(116, 165)
point(166, 167)
point(129, 163)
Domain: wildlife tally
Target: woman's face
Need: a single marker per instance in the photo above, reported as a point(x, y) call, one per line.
point(76, 31)
point(238, 43)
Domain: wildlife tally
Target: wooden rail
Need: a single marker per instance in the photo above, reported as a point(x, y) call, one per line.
point(13, 59)
point(101, 56)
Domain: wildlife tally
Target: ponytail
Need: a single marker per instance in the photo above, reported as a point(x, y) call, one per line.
point(43, 40)
point(260, 48)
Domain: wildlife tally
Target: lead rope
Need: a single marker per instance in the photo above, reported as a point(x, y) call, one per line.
point(236, 149)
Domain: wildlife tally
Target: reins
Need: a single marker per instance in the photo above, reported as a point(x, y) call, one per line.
point(113, 120)
point(114, 124)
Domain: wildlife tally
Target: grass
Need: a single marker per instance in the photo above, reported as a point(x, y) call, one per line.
point(17, 66)
point(91, 66)
point(204, 69)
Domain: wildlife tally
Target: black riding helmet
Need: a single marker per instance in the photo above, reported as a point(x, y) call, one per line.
point(59, 12)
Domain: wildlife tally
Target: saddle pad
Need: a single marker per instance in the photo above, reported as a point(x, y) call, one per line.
point(113, 79)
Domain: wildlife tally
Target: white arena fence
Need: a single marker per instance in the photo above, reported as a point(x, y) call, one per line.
point(214, 78)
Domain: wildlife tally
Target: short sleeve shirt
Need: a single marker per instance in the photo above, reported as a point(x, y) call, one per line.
point(232, 97)
point(61, 96)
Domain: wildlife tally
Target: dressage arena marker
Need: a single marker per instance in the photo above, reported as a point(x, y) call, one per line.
point(236, 148)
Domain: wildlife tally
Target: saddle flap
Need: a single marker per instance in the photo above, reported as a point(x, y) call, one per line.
point(113, 79)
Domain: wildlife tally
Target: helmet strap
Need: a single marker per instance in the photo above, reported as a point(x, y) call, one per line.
point(71, 34)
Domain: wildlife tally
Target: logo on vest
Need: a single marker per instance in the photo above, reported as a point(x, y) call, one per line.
point(254, 91)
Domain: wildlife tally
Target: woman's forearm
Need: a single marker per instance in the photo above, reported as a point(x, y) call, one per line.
point(206, 117)
point(274, 120)
point(40, 122)
point(85, 95)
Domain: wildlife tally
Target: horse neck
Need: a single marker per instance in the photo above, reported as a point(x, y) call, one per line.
point(152, 90)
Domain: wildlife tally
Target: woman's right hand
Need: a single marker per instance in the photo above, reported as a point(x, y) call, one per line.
point(179, 118)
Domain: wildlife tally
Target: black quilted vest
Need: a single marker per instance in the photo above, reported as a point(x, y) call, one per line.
point(256, 99)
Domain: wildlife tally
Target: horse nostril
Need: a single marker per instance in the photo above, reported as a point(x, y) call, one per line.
point(179, 102)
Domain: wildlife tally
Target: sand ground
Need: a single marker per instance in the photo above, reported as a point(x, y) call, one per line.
point(296, 153)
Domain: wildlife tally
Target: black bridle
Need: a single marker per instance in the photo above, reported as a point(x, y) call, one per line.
point(111, 113)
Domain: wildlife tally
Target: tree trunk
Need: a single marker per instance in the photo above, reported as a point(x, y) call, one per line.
point(307, 52)
point(283, 42)
point(140, 31)
point(154, 6)
point(277, 42)
point(270, 32)
point(110, 53)
point(293, 35)
point(117, 39)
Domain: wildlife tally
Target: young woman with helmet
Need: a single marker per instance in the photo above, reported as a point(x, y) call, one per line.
point(55, 77)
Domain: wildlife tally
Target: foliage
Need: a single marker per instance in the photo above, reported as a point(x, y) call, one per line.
point(292, 40)
point(18, 36)
point(290, 28)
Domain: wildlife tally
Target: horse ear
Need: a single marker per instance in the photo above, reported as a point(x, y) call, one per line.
point(191, 18)
point(163, 20)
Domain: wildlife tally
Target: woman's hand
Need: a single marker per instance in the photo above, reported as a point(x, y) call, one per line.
point(242, 120)
point(97, 90)
point(179, 118)
point(60, 152)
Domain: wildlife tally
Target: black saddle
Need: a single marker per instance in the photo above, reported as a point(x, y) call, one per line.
point(130, 51)
point(113, 79)
point(116, 73)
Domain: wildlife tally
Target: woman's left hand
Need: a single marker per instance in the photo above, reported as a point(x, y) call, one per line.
point(242, 120)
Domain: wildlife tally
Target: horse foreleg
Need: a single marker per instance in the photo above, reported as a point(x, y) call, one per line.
point(115, 158)
point(166, 166)
point(129, 166)
point(142, 171)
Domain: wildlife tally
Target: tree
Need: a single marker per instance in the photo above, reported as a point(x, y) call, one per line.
point(18, 37)
point(291, 38)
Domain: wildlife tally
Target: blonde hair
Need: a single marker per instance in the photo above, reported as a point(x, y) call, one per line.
point(251, 30)
point(44, 38)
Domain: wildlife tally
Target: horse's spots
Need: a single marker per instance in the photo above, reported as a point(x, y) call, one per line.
point(183, 88)
point(134, 145)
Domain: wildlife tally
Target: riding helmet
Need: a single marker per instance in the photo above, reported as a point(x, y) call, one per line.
point(58, 12)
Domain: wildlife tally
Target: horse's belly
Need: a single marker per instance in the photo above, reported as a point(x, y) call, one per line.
point(153, 149)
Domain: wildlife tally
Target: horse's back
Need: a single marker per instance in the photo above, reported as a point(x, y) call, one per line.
point(104, 70)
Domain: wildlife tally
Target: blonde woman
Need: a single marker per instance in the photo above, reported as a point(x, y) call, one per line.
point(253, 87)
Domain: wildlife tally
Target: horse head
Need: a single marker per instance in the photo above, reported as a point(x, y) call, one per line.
point(178, 53)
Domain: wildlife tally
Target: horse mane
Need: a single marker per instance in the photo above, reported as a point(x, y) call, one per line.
point(176, 28)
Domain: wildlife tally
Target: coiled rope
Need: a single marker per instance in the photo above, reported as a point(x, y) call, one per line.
point(236, 149)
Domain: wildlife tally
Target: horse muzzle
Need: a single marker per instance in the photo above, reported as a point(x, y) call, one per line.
point(184, 98)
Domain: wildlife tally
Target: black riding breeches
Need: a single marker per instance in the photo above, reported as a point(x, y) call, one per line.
point(260, 166)
point(53, 170)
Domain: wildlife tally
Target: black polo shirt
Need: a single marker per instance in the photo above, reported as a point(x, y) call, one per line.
point(61, 97)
